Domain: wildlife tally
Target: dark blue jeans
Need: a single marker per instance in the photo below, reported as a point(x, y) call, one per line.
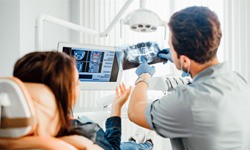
point(131, 145)
point(108, 140)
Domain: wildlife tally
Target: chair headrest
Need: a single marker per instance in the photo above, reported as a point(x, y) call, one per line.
point(27, 108)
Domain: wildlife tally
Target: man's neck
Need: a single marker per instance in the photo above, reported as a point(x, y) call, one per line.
point(196, 68)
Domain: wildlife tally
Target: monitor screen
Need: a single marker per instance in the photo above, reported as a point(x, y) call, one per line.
point(98, 66)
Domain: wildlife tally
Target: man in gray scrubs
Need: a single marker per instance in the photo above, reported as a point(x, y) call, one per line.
point(211, 113)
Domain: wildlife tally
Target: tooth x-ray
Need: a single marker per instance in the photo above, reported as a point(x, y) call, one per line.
point(132, 54)
point(95, 60)
point(79, 55)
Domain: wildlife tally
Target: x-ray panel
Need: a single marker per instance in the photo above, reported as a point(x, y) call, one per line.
point(131, 56)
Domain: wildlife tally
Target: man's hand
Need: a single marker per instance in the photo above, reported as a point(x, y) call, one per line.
point(165, 54)
point(145, 68)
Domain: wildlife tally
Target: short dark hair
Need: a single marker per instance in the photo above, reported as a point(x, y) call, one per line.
point(196, 33)
point(54, 69)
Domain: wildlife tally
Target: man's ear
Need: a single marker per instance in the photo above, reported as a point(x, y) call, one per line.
point(185, 61)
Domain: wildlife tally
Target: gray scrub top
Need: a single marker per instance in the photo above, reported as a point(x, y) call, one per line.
point(211, 113)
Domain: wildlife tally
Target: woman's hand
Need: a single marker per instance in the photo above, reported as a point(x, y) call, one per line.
point(122, 94)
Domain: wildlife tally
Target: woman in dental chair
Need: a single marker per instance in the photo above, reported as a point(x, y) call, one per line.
point(58, 71)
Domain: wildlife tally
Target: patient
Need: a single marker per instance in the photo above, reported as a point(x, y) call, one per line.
point(58, 71)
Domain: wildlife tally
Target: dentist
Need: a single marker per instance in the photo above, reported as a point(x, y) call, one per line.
point(212, 112)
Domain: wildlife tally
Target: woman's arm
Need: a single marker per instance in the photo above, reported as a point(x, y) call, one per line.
point(80, 142)
point(36, 142)
point(113, 124)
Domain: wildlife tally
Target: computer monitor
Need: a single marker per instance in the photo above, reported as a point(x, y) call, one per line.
point(99, 67)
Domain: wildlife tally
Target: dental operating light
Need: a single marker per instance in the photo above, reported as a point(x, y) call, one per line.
point(141, 20)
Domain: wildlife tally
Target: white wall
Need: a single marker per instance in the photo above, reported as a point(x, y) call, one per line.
point(52, 34)
point(17, 28)
point(9, 35)
point(74, 18)
point(236, 36)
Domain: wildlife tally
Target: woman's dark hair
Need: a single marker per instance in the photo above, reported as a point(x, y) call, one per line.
point(54, 69)
point(196, 33)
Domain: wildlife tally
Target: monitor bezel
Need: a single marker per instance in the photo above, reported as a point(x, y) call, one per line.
point(95, 85)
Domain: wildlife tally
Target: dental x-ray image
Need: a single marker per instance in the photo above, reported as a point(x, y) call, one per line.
point(81, 57)
point(132, 54)
point(95, 60)
point(79, 54)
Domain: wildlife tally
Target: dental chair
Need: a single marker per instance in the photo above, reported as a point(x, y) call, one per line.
point(29, 118)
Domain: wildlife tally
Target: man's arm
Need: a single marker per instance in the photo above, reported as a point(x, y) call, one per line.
point(138, 102)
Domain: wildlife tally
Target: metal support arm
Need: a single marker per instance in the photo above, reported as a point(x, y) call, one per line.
point(42, 18)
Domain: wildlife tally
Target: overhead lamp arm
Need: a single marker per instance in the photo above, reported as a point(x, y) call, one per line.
point(142, 3)
point(117, 18)
point(42, 18)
